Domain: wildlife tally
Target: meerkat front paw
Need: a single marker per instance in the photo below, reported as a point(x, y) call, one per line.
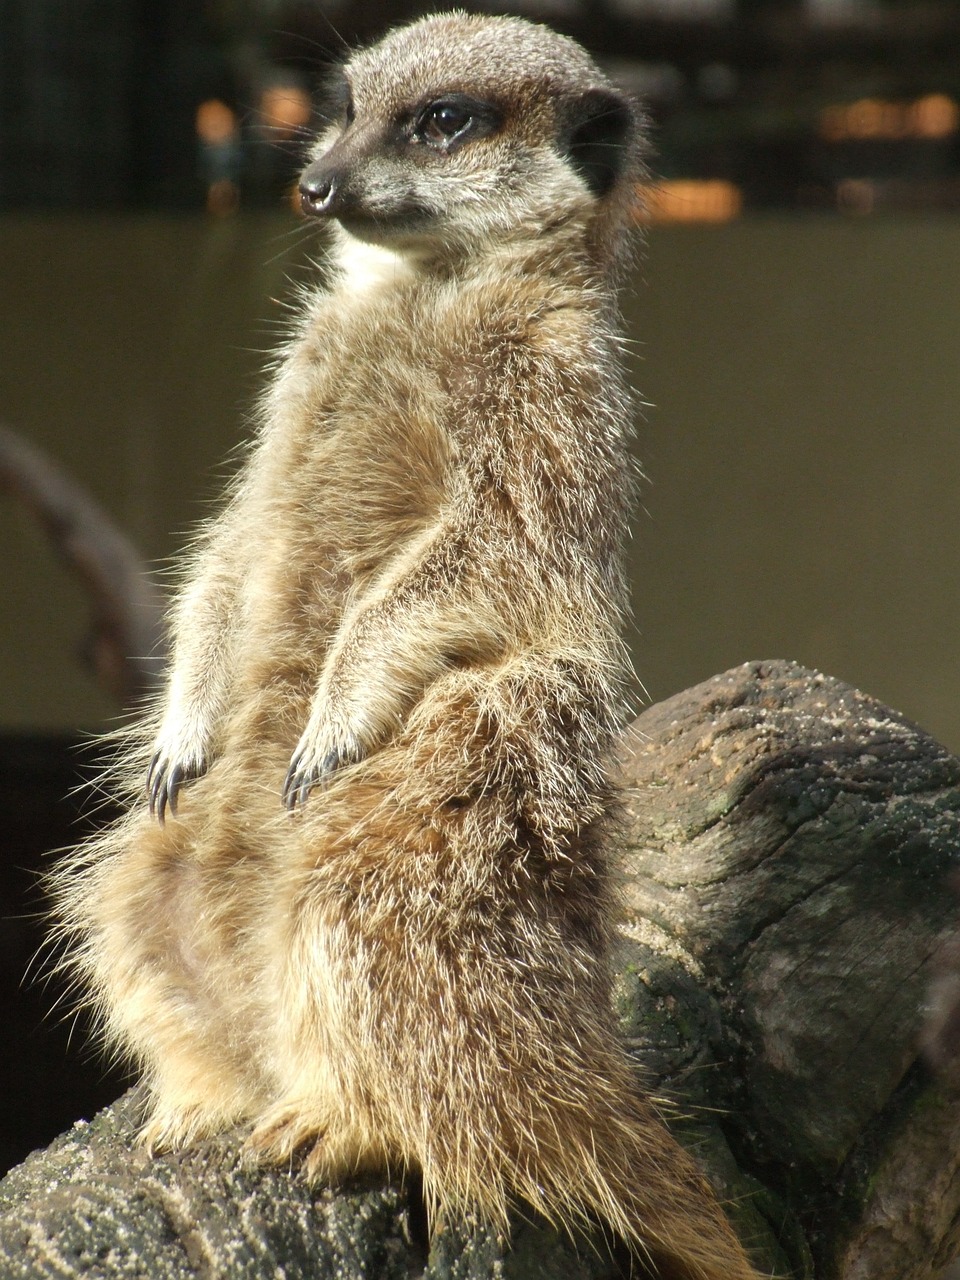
point(321, 751)
point(178, 758)
point(166, 776)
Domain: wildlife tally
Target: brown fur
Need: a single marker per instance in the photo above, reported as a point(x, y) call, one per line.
point(415, 594)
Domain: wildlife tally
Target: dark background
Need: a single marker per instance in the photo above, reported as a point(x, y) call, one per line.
point(99, 98)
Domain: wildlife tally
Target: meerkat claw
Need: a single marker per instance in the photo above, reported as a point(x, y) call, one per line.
point(297, 786)
point(287, 790)
point(157, 787)
point(174, 782)
point(298, 783)
point(164, 783)
point(301, 778)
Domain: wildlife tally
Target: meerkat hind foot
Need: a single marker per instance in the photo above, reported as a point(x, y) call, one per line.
point(331, 1148)
point(285, 1131)
point(174, 1128)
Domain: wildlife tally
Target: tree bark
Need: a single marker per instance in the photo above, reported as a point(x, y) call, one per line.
point(791, 843)
point(788, 848)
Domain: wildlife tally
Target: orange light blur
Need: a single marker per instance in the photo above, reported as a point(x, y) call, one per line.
point(285, 109)
point(215, 122)
point(934, 116)
point(223, 198)
point(689, 200)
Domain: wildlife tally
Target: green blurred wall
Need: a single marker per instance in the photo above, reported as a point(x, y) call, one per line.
point(803, 448)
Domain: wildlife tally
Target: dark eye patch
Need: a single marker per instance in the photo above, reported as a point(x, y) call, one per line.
point(336, 103)
point(445, 124)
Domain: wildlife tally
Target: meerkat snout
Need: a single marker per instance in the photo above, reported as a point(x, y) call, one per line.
point(317, 194)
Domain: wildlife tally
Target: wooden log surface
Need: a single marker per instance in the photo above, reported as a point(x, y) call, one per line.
point(791, 843)
point(788, 850)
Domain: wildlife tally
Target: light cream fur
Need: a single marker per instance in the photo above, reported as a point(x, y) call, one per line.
point(414, 593)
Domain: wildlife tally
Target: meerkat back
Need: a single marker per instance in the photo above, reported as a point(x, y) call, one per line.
point(364, 905)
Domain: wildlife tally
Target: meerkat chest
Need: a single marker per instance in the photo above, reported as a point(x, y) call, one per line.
point(368, 459)
point(398, 385)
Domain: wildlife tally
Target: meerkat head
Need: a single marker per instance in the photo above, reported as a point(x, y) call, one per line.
point(458, 131)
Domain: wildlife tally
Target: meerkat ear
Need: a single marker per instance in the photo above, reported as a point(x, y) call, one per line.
point(598, 137)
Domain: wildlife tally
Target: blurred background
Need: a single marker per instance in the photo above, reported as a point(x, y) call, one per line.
point(794, 323)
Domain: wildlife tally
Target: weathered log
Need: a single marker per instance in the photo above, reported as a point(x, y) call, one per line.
point(791, 844)
point(788, 849)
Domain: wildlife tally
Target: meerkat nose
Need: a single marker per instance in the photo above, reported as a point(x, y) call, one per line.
point(317, 194)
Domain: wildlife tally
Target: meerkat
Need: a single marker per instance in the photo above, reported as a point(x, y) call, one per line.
point(365, 907)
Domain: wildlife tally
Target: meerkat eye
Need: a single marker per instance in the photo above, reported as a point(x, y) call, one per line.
point(444, 120)
point(449, 122)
